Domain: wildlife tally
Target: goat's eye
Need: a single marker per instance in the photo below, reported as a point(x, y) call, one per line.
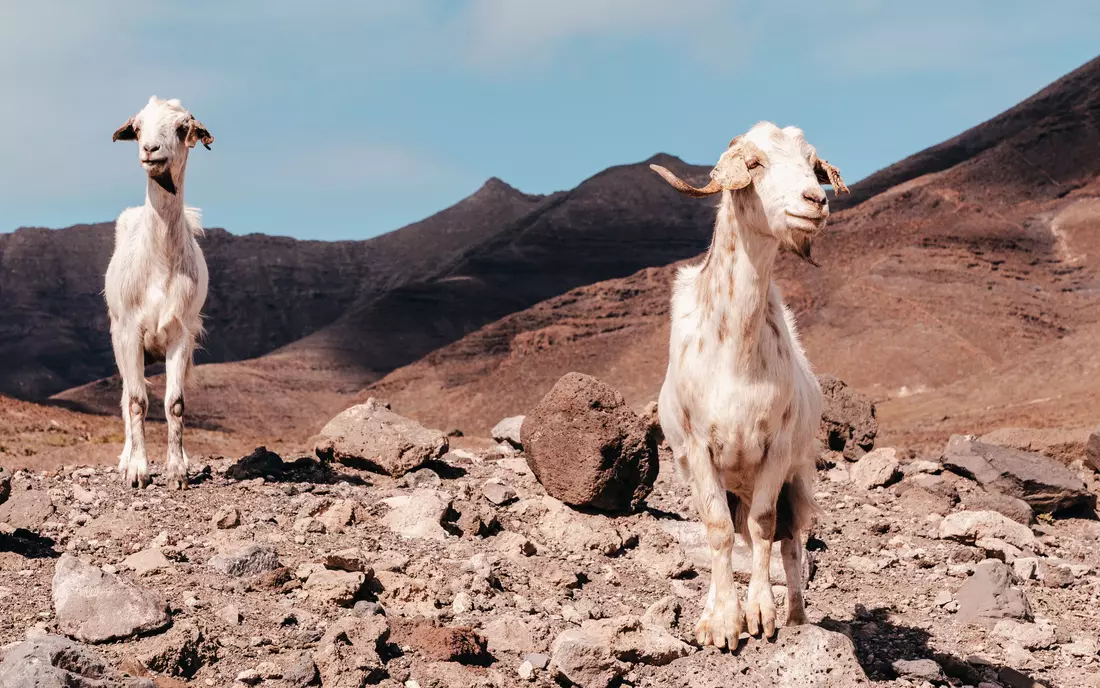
point(754, 163)
point(181, 132)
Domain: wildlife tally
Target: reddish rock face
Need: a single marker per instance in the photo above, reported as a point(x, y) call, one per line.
point(588, 448)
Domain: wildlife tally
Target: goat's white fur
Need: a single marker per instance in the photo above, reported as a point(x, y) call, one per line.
point(156, 283)
point(740, 404)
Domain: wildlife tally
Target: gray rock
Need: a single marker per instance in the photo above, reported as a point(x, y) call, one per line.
point(1042, 482)
point(27, 509)
point(584, 659)
point(926, 669)
point(246, 561)
point(1064, 446)
point(1092, 451)
point(301, 672)
point(537, 660)
point(5, 485)
point(50, 661)
point(989, 595)
point(971, 526)
point(97, 607)
point(372, 436)
point(342, 588)
point(588, 448)
point(848, 422)
point(508, 430)
point(877, 468)
point(1016, 509)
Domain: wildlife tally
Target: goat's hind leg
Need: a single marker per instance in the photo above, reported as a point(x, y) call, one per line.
point(792, 566)
point(177, 363)
point(133, 463)
point(720, 623)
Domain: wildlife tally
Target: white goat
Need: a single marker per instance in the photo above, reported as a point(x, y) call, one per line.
point(740, 405)
point(156, 282)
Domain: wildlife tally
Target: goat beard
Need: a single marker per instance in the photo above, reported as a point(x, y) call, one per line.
point(801, 246)
point(164, 181)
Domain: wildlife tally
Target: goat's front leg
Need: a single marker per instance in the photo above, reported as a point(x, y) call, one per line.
point(133, 463)
point(177, 362)
point(720, 623)
point(760, 603)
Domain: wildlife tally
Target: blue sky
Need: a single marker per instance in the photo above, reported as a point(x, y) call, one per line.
point(346, 119)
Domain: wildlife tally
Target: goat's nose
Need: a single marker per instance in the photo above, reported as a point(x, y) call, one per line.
point(814, 195)
point(151, 147)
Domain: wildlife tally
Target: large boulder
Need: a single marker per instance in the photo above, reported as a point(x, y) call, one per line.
point(588, 448)
point(848, 423)
point(51, 661)
point(98, 607)
point(370, 435)
point(1042, 482)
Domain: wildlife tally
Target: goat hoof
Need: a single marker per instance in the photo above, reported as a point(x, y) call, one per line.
point(720, 625)
point(760, 615)
point(177, 483)
point(797, 617)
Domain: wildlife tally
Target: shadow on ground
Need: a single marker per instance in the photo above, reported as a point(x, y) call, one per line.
point(880, 642)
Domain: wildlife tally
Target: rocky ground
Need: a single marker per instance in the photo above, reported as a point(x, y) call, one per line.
point(975, 566)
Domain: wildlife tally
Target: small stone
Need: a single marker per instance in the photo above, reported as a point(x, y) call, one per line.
point(462, 603)
point(526, 671)
point(509, 430)
point(423, 478)
point(498, 493)
point(418, 515)
point(230, 614)
point(339, 515)
point(943, 598)
point(226, 517)
point(1030, 636)
point(249, 677)
point(341, 588)
point(351, 559)
point(537, 660)
point(247, 561)
point(926, 669)
point(1025, 567)
point(146, 561)
point(877, 468)
point(969, 526)
point(258, 464)
point(1053, 575)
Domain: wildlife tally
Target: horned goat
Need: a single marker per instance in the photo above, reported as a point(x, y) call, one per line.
point(740, 405)
point(156, 283)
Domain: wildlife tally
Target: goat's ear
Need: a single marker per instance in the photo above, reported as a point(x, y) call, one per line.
point(731, 172)
point(196, 133)
point(126, 132)
point(827, 174)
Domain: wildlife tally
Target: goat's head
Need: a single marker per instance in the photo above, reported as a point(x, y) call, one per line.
point(776, 179)
point(165, 132)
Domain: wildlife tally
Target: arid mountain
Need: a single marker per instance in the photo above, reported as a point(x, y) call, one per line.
point(621, 220)
point(961, 280)
point(265, 291)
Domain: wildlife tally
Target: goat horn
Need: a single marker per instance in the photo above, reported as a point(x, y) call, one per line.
point(683, 187)
point(834, 177)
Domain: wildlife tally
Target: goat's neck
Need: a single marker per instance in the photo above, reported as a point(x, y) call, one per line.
point(737, 276)
point(165, 209)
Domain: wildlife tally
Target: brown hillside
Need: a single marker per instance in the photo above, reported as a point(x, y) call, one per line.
point(941, 293)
